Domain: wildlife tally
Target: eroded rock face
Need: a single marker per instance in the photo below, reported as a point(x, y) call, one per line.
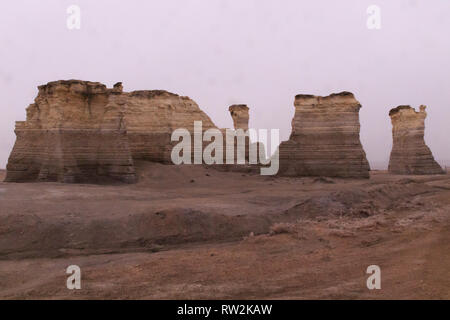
point(80, 131)
point(74, 132)
point(410, 154)
point(152, 116)
point(325, 138)
point(240, 115)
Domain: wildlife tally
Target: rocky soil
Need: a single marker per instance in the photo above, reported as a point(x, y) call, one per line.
point(198, 233)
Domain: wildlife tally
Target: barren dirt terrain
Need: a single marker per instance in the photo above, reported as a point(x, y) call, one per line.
point(193, 232)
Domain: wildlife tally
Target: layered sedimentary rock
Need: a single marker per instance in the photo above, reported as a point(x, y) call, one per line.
point(410, 154)
point(80, 131)
point(152, 116)
point(74, 132)
point(325, 138)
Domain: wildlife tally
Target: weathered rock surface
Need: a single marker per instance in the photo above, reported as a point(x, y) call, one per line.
point(410, 154)
point(152, 116)
point(325, 138)
point(240, 115)
point(74, 132)
point(80, 131)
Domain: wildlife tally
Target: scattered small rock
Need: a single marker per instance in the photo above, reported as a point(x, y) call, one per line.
point(323, 180)
point(280, 228)
point(342, 233)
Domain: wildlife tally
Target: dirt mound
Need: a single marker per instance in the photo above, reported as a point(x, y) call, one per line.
point(361, 202)
point(29, 235)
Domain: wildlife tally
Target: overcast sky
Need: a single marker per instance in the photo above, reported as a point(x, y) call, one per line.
point(221, 52)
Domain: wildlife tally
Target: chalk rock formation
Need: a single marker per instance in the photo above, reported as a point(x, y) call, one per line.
point(80, 131)
point(152, 116)
point(240, 115)
point(325, 138)
point(410, 154)
point(74, 132)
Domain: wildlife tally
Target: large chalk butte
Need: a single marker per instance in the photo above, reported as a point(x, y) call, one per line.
point(80, 131)
point(325, 138)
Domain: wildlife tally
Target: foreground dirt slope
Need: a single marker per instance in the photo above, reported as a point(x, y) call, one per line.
point(191, 232)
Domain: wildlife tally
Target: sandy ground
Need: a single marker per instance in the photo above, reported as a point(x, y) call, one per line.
point(198, 233)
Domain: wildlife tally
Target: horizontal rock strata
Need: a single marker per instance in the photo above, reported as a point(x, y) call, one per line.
point(325, 138)
point(80, 131)
point(74, 132)
point(152, 116)
point(410, 154)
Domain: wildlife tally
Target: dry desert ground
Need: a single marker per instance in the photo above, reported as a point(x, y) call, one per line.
point(192, 232)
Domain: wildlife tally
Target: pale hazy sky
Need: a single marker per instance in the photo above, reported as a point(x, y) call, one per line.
point(221, 52)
